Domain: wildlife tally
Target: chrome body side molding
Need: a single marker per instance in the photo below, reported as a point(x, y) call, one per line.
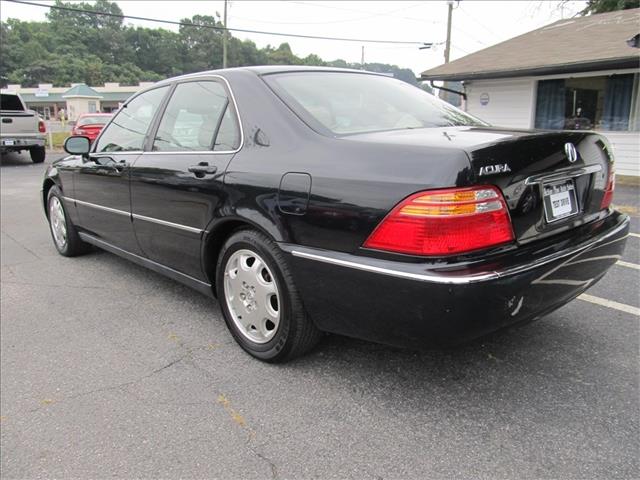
point(417, 271)
point(136, 216)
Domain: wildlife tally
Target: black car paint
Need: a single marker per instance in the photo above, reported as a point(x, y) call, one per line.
point(325, 195)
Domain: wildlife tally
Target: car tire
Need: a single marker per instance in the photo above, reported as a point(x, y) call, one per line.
point(37, 154)
point(254, 282)
point(63, 232)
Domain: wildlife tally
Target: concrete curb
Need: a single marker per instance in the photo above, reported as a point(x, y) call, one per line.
point(628, 180)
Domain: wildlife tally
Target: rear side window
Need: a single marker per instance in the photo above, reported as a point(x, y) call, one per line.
point(128, 129)
point(228, 135)
point(10, 102)
point(347, 103)
point(197, 113)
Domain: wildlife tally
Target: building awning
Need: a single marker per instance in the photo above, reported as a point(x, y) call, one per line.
point(116, 96)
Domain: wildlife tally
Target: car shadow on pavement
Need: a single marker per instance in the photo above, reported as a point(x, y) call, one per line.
point(531, 359)
point(14, 159)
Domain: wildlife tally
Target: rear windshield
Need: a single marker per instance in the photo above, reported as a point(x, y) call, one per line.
point(347, 103)
point(97, 120)
point(10, 102)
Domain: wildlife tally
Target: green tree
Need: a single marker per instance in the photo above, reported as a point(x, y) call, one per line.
point(75, 46)
point(282, 55)
point(602, 6)
point(201, 48)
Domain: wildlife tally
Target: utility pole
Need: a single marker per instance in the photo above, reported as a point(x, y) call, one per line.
point(224, 37)
point(443, 94)
point(447, 48)
point(362, 59)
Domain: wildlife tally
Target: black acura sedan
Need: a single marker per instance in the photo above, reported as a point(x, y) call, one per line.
point(312, 200)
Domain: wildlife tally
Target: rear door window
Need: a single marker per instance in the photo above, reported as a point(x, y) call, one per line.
point(197, 113)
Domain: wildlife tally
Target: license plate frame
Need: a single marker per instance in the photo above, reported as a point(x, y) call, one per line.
point(554, 196)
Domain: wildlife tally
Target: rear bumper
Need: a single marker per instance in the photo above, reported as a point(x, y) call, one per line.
point(21, 142)
point(426, 304)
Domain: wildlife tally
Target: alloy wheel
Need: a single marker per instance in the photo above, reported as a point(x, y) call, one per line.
point(252, 296)
point(58, 222)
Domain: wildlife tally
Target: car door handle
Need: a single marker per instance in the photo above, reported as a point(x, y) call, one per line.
point(121, 165)
point(109, 162)
point(203, 168)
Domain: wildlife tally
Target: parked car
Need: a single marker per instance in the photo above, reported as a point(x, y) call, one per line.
point(90, 124)
point(21, 129)
point(313, 200)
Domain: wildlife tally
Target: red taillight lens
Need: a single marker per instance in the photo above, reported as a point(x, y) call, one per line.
point(611, 186)
point(41, 127)
point(445, 222)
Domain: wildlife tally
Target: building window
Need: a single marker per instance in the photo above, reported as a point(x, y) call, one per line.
point(607, 103)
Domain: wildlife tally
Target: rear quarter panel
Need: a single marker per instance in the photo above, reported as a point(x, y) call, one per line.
point(354, 184)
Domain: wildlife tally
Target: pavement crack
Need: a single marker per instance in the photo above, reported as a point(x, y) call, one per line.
point(274, 469)
point(168, 365)
point(22, 245)
point(117, 386)
point(251, 433)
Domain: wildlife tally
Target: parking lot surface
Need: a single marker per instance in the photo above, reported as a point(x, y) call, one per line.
point(110, 370)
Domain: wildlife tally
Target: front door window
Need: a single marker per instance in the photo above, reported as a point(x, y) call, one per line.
point(128, 129)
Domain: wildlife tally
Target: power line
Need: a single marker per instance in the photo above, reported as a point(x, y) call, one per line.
point(492, 31)
point(212, 27)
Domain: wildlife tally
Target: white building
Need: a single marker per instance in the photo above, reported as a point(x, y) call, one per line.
point(77, 99)
point(579, 73)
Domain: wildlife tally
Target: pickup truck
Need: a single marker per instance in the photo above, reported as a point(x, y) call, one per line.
point(21, 129)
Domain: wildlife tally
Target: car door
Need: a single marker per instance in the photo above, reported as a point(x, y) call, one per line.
point(177, 183)
point(101, 183)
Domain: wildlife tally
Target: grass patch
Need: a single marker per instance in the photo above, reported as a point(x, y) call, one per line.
point(58, 139)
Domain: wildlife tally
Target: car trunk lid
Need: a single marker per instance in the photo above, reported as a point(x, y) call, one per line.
point(552, 181)
point(530, 167)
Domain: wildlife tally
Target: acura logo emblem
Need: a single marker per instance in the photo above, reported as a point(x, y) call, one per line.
point(570, 150)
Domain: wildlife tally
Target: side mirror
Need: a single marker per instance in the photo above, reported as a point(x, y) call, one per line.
point(77, 145)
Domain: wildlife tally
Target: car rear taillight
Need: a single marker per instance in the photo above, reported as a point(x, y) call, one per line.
point(41, 127)
point(445, 222)
point(608, 191)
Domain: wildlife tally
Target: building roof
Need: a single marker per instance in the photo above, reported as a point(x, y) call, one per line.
point(116, 96)
point(81, 90)
point(48, 98)
point(581, 44)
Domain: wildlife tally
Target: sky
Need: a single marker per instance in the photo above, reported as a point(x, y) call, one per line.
point(476, 24)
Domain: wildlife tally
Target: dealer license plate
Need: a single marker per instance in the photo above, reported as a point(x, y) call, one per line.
point(559, 200)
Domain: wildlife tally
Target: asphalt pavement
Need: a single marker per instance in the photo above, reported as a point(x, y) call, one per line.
point(110, 370)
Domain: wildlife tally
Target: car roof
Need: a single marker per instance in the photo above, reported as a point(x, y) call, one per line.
point(266, 70)
point(258, 70)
